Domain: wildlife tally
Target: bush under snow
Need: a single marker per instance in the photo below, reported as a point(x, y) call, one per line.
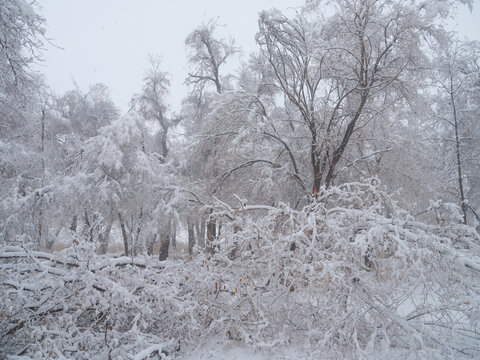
point(350, 276)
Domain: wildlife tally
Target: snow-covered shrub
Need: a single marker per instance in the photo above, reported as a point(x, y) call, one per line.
point(351, 273)
point(350, 276)
point(76, 304)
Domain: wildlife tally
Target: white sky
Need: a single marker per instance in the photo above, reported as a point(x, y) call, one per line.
point(108, 41)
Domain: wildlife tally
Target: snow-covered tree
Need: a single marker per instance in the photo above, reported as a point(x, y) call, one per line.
point(151, 105)
point(21, 39)
point(315, 179)
point(118, 179)
point(24, 121)
point(457, 82)
point(207, 54)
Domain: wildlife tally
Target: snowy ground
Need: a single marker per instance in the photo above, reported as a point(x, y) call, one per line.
point(227, 351)
point(233, 350)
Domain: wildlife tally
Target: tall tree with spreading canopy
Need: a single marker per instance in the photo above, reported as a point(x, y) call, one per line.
point(206, 54)
point(340, 71)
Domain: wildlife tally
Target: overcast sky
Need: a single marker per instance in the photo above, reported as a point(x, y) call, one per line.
point(108, 41)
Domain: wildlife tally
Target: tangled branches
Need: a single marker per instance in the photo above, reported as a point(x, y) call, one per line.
point(351, 275)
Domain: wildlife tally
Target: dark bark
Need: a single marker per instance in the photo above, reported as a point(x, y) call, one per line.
point(364, 82)
point(164, 140)
point(317, 176)
point(73, 225)
point(191, 236)
point(211, 235)
point(41, 234)
point(337, 155)
point(214, 64)
point(164, 243)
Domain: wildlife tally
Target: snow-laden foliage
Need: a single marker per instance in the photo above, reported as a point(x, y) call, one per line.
point(77, 305)
point(354, 273)
point(351, 275)
point(339, 91)
point(21, 37)
point(457, 125)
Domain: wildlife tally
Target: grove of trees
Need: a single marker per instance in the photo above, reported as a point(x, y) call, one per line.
point(323, 197)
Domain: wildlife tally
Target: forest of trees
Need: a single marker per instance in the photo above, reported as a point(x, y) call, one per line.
point(325, 196)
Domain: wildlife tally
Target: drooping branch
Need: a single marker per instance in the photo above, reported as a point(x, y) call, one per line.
point(228, 173)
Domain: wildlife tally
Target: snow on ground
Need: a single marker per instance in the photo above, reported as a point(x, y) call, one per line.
point(233, 350)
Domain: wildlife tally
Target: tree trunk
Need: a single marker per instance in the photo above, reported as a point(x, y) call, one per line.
point(211, 227)
point(200, 230)
point(173, 238)
point(135, 241)
point(73, 225)
point(42, 182)
point(337, 155)
point(88, 227)
point(317, 175)
point(94, 227)
point(40, 222)
point(103, 238)
point(191, 236)
point(151, 245)
point(457, 151)
point(164, 243)
point(124, 234)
